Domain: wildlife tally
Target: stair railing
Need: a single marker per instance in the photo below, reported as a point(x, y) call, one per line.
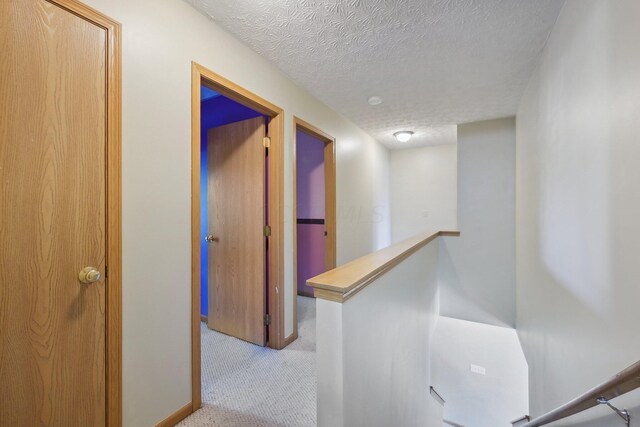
point(623, 382)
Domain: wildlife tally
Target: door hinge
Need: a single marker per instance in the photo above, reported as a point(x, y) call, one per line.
point(106, 271)
point(266, 141)
point(267, 319)
point(267, 230)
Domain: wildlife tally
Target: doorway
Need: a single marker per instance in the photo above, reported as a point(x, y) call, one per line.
point(314, 206)
point(233, 205)
point(243, 236)
point(60, 233)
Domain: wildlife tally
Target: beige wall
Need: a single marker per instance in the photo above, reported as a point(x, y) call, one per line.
point(478, 268)
point(160, 39)
point(578, 204)
point(373, 351)
point(423, 190)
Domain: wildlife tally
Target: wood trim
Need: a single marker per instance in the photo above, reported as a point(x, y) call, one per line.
point(343, 282)
point(196, 374)
point(276, 241)
point(201, 75)
point(294, 190)
point(114, 228)
point(231, 90)
point(328, 295)
point(312, 130)
point(291, 338)
point(177, 416)
point(623, 382)
point(330, 204)
point(113, 328)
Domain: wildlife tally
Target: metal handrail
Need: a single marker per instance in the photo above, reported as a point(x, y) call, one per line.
point(623, 382)
point(624, 414)
point(436, 395)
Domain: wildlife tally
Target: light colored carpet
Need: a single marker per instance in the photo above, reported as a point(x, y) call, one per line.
point(247, 385)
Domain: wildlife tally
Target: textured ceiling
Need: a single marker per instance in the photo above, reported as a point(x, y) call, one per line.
point(435, 63)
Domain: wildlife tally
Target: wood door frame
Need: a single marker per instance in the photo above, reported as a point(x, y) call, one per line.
point(329, 205)
point(201, 75)
point(113, 237)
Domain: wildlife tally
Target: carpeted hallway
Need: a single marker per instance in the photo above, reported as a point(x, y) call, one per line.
point(247, 385)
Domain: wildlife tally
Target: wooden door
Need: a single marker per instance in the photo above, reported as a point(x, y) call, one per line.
point(53, 127)
point(236, 203)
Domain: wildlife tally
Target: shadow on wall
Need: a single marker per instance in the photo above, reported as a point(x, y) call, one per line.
point(456, 296)
point(579, 351)
point(477, 271)
point(579, 203)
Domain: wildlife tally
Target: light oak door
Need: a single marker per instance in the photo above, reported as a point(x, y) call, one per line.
point(236, 206)
point(52, 216)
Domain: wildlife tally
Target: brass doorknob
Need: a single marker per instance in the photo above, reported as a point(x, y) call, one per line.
point(89, 275)
point(211, 238)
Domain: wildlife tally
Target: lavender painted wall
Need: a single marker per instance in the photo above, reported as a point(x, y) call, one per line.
point(310, 196)
point(310, 254)
point(309, 176)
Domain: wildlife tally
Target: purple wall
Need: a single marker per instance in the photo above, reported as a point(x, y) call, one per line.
point(310, 255)
point(310, 207)
point(309, 176)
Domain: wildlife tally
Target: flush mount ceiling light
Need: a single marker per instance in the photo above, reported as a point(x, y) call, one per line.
point(375, 100)
point(403, 135)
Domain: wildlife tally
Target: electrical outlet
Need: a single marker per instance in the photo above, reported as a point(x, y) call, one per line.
point(480, 370)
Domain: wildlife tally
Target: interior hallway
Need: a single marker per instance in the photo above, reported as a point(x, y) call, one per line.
point(247, 385)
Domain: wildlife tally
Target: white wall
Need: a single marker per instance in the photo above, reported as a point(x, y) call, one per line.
point(578, 203)
point(474, 400)
point(423, 190)
point(160, 39)
point(373, 350)
point(435, 412)
point(478, 268)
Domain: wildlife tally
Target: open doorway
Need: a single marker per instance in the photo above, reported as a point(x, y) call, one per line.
point(237, 207)
point(314, 209)
point(233, 206)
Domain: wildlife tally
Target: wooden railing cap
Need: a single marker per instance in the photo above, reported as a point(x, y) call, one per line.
point(343, 282)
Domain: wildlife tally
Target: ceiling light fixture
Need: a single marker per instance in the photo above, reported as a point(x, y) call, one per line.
point(403, 135)
point(375, 100)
